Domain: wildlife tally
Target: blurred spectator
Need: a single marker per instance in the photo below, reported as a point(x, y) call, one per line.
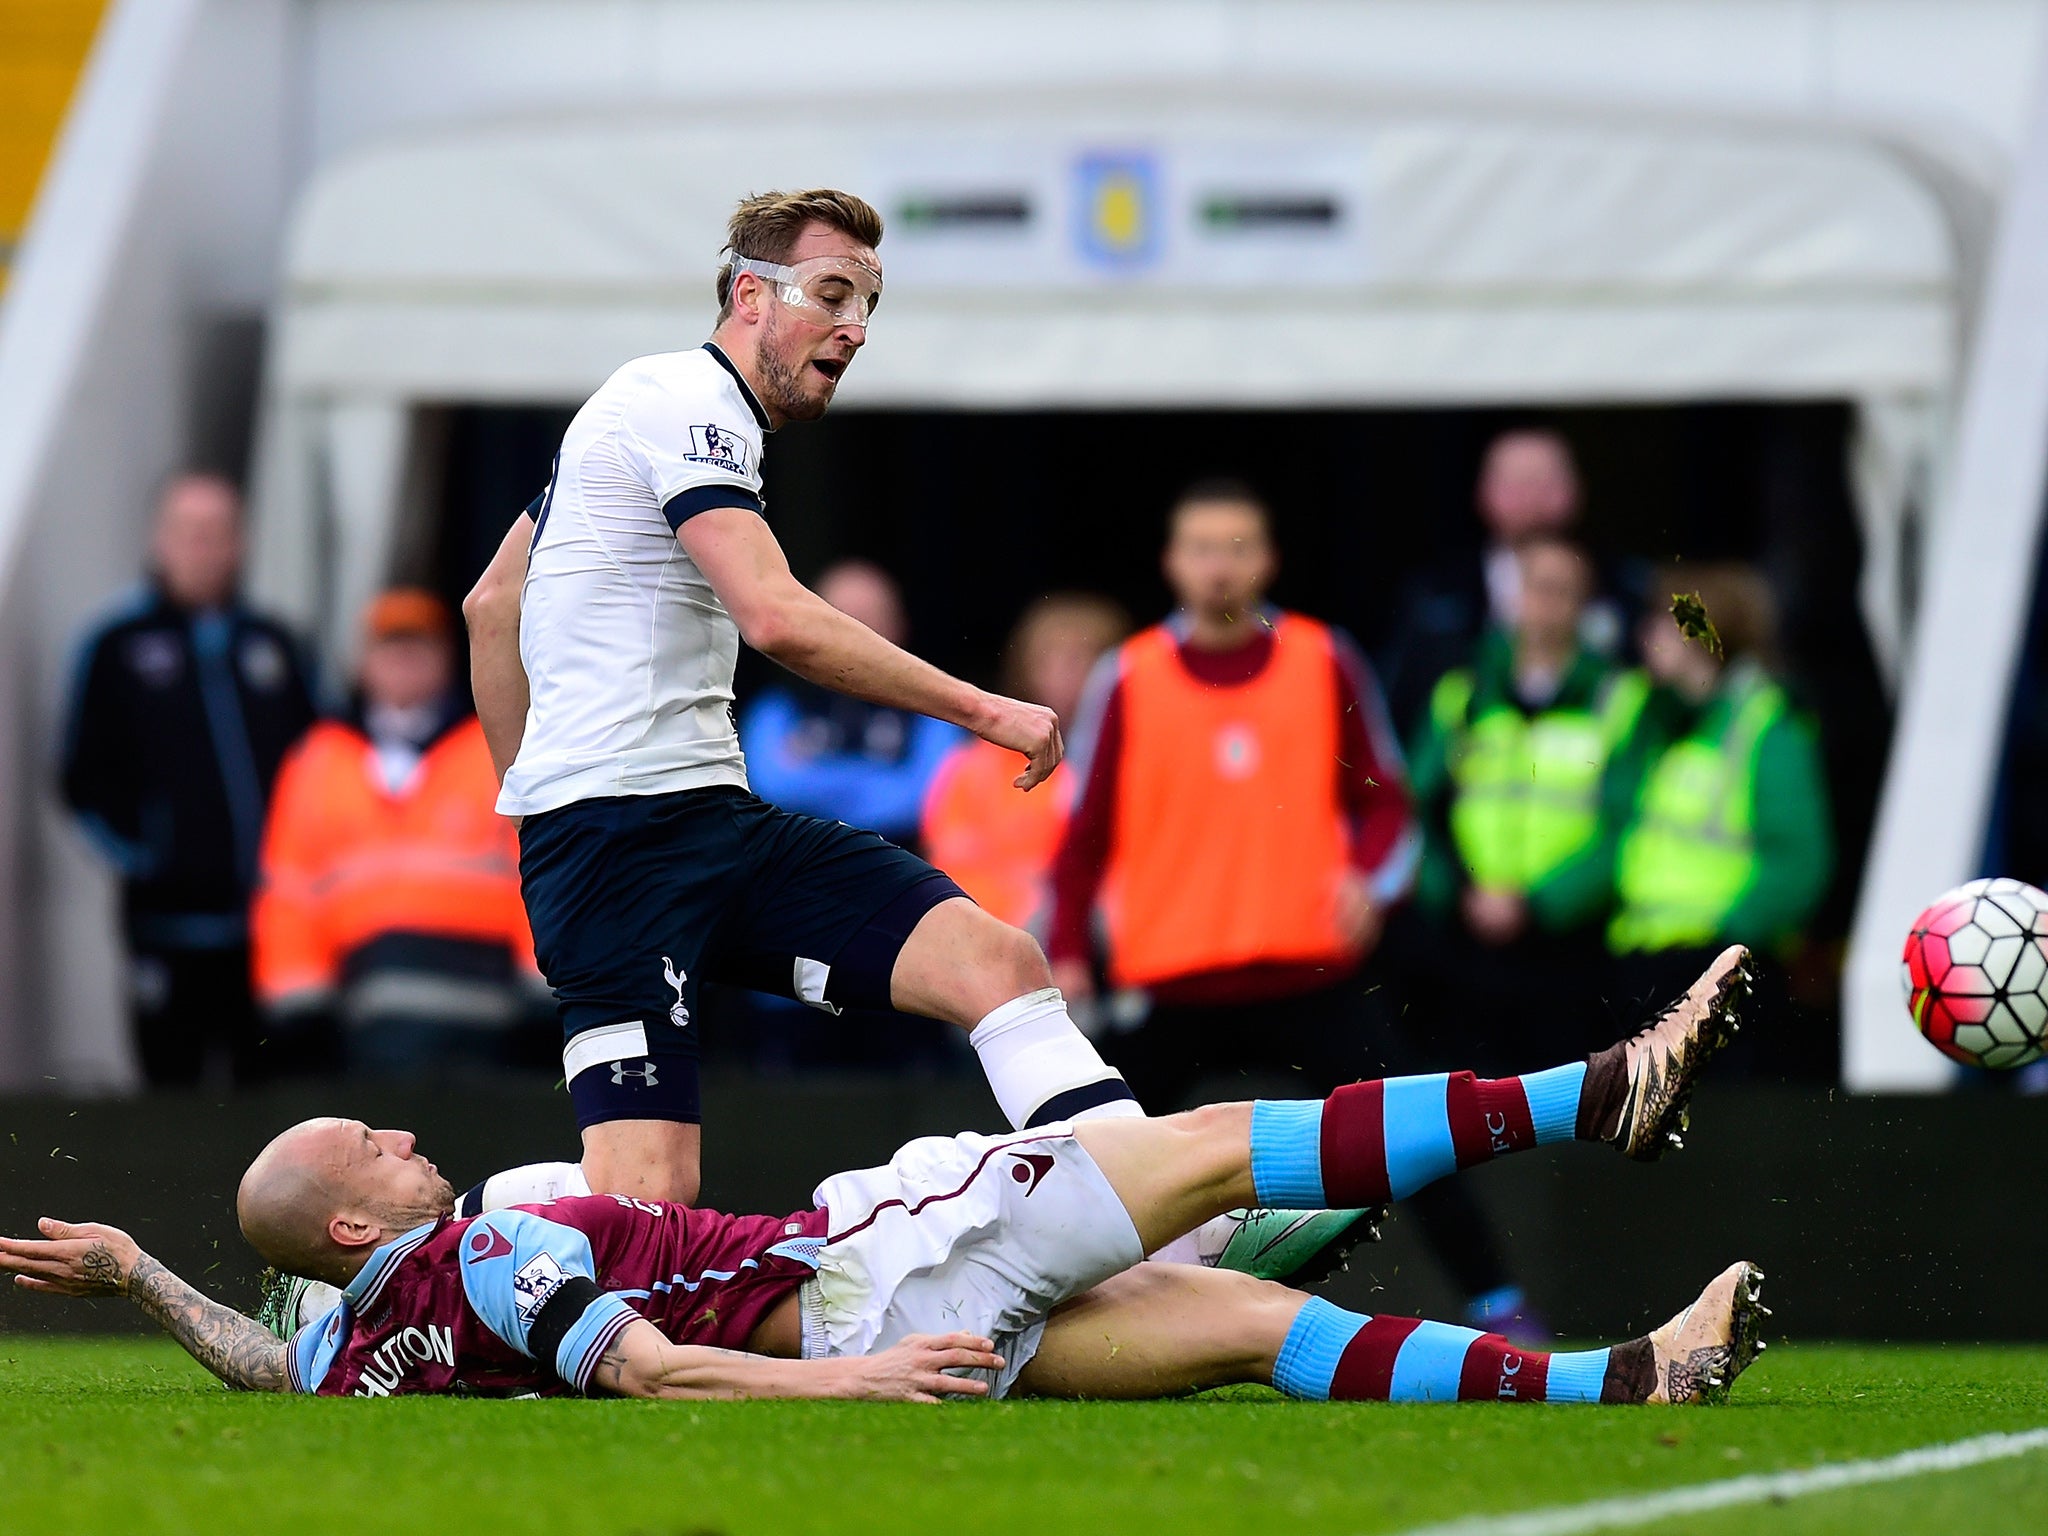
point(185, 703)
point(1241, 813)
point(1523, 771)
point(997, 841)
point(1729, 841)
point(390, 899)
point(812, 750)
point(1528, 488)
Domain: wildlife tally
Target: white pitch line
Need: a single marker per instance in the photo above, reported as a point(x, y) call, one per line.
point(1640, 1509)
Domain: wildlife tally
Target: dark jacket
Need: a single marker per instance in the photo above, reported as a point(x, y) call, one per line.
point(177, 724)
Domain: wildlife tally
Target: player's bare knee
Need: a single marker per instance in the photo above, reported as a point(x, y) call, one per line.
point(1007, 964)
point(1024, 964)
point(673, 1186)
point(1228, 1119)
point(643, 1160)
point(1245, 1319)
point(1218, 1129)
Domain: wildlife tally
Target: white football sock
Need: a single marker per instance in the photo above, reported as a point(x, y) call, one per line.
point(1042, 1068)
point(531, 1185)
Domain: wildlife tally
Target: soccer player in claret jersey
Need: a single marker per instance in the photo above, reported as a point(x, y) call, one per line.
point(968, 1266)
point(603, 639)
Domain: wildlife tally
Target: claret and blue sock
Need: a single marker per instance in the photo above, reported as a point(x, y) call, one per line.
point(1369, 1143)
point(1339, 1356)
point(1378, 1141)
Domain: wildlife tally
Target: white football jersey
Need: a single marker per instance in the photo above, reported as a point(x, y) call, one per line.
point(629, 653)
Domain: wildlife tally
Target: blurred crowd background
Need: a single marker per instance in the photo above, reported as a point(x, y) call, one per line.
point(1322, 408)
point(1490, 817)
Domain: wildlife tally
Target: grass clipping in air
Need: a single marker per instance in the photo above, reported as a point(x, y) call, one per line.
point(1690, 615)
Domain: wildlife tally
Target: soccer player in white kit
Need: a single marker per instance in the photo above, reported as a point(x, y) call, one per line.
point(604, 637)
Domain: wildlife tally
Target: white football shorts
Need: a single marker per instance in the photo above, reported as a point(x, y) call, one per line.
point(969, 1233)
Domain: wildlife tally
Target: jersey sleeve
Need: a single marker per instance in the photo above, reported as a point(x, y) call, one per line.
point(695, 449)
point(310, 1354)
point(533, 1283)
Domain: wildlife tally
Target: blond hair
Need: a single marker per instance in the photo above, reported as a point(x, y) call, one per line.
point(767, 226)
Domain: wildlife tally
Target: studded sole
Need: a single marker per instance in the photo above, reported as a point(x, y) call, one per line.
point(1710, 1036)
point(1334, 1257)
point(1745, 1326)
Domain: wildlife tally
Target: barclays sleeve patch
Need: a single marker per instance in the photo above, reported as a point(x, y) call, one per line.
point(720, 447)
point(535, 1281)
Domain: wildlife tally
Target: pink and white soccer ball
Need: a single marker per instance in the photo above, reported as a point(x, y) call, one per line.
point(1976, 973)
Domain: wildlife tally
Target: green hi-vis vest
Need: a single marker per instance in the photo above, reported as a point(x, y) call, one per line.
point(1690, 852)
point(1527, 787)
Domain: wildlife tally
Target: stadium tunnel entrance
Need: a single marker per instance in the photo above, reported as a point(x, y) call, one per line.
point(1097, 296)
point(978, 512)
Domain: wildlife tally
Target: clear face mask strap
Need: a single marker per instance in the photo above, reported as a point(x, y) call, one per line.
point(785, 279)
point(774, 272)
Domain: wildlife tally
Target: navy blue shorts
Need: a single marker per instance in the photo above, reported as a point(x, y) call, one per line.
point(637, 899)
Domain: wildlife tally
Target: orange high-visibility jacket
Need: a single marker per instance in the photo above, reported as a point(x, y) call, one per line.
point(990, 836)
point(345, 862)
point(1230, 841)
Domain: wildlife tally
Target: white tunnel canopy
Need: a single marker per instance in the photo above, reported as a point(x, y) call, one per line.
point(1258, 252)
point(1253, 253)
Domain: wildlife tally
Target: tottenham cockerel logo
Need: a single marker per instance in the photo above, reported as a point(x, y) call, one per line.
point(679, 1011)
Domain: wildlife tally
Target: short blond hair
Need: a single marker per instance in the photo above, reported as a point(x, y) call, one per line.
point(767, 226)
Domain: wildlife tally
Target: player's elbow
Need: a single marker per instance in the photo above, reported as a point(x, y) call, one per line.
point(634, 1381)
point(776, 628)
point(663, 1374)
point(492, 602)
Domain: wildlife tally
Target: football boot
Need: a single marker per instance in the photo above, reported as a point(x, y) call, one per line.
point(1639, 1091)
point(1292, 1247)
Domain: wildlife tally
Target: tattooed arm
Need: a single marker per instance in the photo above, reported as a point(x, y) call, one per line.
point(642, 1363)
point(239, 1350)
point(88, 1259)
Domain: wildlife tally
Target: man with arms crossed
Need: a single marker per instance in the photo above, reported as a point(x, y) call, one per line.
point(969, 1266)
point(603, 641)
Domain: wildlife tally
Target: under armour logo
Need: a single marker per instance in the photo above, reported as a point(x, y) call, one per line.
point(679, 1012)
point(645, 1072)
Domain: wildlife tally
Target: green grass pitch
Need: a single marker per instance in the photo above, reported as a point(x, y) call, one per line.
point(128, 1435)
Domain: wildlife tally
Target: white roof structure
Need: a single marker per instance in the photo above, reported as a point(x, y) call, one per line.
point(1269, 252)
point(1264, 249)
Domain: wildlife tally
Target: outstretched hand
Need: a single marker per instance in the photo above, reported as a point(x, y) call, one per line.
point(914, 1371)
point(1031, 729)
point(71, 1259)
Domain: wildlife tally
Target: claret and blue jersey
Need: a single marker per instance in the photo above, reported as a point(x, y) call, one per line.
point(527, 1300)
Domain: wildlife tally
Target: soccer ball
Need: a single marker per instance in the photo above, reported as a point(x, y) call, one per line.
point(1976, 973)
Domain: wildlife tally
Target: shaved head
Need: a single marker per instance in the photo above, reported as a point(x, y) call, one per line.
point(288, 1194)
point(324, 1194)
